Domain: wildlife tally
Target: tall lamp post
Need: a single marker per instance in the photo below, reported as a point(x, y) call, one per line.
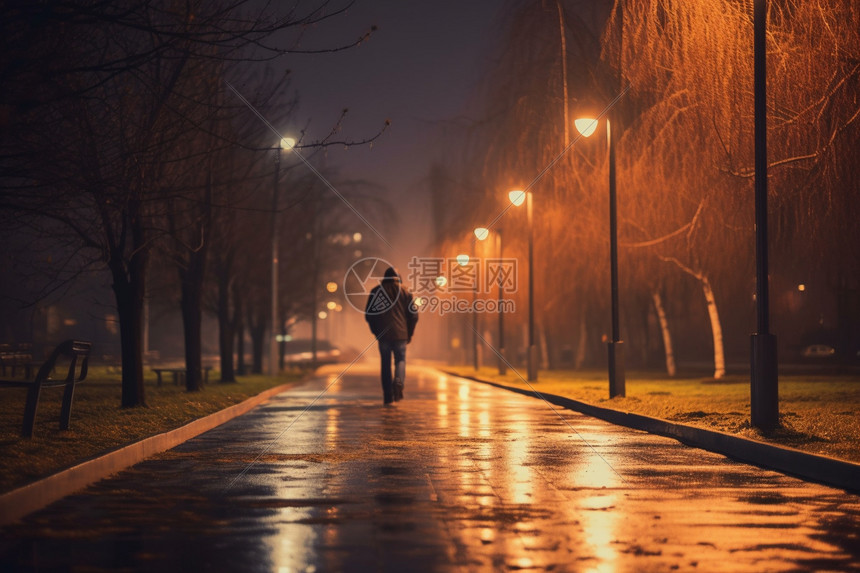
point(587, 126)
point(764, 383)
point(476, 346)
point(518, 198)
point(463, 260)
point(285, 143)
point(482, 233)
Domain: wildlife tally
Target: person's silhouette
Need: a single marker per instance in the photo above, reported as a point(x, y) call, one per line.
point(392, 317)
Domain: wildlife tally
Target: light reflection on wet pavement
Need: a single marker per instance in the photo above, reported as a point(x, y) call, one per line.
point(459, 476)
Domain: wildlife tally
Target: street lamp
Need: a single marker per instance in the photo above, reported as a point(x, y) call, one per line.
point(518, 197)
point(482, 233)
point(286, 143)
point(764, 379)
point(463, 260)
point(587, 126)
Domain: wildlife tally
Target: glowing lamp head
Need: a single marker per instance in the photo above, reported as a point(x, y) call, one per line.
point(441, 281)
point(462, 260)
point(585, 125)
point(322, 314)
point(288, 143)
point(331, 286)
point(331, 305)
point(517, 197)
point(482, 233)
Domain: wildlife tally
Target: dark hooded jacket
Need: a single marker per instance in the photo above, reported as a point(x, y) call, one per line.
point(390, 311)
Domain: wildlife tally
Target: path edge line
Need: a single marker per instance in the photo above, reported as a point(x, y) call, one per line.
point(26, 499)
point(825, 470)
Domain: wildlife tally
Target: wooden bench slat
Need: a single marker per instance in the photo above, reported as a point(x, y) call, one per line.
point(179, 374)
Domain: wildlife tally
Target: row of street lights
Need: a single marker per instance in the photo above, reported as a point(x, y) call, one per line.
point(764, 376)
point(764, 410)
point(587, 127)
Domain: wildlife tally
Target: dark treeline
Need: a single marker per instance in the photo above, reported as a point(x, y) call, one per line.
point(122, 150)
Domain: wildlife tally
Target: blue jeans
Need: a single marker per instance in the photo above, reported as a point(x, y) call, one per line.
point(386, 349)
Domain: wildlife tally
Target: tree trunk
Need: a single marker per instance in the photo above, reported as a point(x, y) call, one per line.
point(667, 335)
point(716, 330)
point(645, 346)
point(192, 276)
point(239, 322)
point(581, 347)
point(192, 314)
point(226, 328)
point(128, 291)
point(258, 336)
point(544, 347)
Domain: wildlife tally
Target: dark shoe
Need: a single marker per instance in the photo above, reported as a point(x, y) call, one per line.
point(398, 390)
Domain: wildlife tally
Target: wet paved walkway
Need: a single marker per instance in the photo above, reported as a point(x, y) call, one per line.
point(460, 476)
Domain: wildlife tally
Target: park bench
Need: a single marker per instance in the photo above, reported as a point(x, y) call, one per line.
point(13, 360)
point(77, 352)
point(179, 374)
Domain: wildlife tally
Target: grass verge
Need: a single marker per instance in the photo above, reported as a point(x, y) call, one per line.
point(99, 425)
point(818, 414)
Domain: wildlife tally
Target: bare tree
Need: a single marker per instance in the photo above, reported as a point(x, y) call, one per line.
point(87, 152)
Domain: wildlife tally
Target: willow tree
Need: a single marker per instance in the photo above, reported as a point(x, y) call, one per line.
point(685, 171)
point(689, 155)
point(815, 126)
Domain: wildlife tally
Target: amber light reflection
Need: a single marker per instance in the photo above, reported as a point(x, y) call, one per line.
point(599, 522)
point(442, 401)
point(505, 475)
point(520, 480)
point(464, 407)
point(292, 545)
point(493, 477)
point(597, 512)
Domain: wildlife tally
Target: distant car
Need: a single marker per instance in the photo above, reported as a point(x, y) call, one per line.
point(298, 352)
point(818, 351)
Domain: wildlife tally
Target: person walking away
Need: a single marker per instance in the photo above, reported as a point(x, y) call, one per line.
point(392, 315)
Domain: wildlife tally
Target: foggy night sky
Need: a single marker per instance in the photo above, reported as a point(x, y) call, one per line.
point(420, 69)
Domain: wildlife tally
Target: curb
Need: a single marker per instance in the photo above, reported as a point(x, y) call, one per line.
point(19, 502)
point(811, 467)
